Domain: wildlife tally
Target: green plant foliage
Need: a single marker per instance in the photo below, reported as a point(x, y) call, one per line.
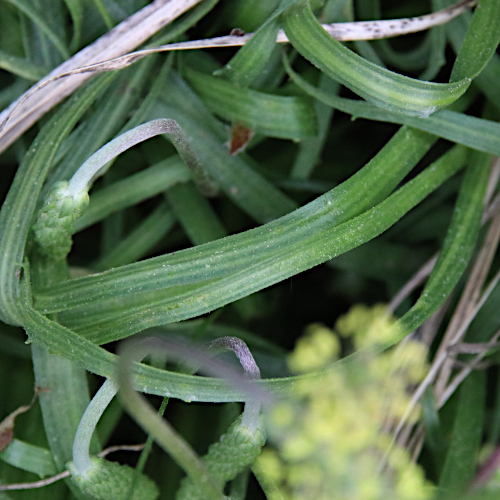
point(461, 458)
point(254, 192)
point(384, 88)
point(235, 450)
point(272, 115)
point(111, 480)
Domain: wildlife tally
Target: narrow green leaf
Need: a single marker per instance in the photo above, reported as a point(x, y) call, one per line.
point(147, 379)
point(195, 214)
point(67, 397)
point(367, 187)
point(310, 149)
point(458, 246)
point(286, 117)
point(18, 209)
point(476, 133)
point(480, 43)
point(65, 342)
point(28, 9)
point(139, 241)
point(21, 67)
point(461, 460)
point(434, 436)
point(251, 59)
point(29, 458)
point(318, 243)
point(101, 8)
point(62, 406)
point(249, 190)
point(75, 8)
point(456, 31)
point(384, 88)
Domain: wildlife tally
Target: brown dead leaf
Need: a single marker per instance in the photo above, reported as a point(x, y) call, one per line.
point(240, 137)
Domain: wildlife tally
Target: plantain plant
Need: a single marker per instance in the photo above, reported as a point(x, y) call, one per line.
point(310, 184)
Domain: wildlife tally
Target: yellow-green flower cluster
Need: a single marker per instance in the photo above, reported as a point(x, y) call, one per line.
point(328, 438)
point(367, 326)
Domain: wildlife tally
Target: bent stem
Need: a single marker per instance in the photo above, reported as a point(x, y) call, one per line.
point(165, 435)
point(86, 428)
point(66, 201)
point(160, 429)
point(87, 173)
point(250, 418)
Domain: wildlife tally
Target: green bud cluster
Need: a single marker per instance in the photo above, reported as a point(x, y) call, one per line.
point(237, 448)
point(54, 226)
point(107, 480)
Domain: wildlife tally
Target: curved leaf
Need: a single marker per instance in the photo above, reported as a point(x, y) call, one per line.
point(287, 117)
point(19, 206)
point(308, 244)
point(251, 59)
point(476, 133)
point(216, 259)
point(480, 43)
point(378, 85)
